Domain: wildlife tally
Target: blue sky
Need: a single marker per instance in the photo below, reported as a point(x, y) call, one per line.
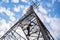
point(48, 11)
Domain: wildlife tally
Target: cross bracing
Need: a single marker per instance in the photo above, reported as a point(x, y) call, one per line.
point(29, 27)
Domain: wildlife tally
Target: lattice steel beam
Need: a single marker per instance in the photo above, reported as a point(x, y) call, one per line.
point(31, 26)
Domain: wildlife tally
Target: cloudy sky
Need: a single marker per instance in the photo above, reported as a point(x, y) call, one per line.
point(48, 11)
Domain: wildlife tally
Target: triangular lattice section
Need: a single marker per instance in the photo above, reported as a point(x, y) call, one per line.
point(29, 27)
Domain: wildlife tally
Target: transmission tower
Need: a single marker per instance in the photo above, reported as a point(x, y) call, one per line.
point(31, 26)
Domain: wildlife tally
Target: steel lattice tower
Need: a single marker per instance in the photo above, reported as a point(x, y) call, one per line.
point(31, 26)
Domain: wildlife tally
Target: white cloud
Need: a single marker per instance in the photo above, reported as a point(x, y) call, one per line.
point(42, 10)
point(1, 33)
point(8, 13)
point(15, 1)
point(24, 0)
point(4, 24)
point(55, 25)
point(25, 10)
point(6, 1)
point(18, 8)
point(49, 4)
point(53, 1)
point(12, 19)
point(2, 9)
point(53, 22)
